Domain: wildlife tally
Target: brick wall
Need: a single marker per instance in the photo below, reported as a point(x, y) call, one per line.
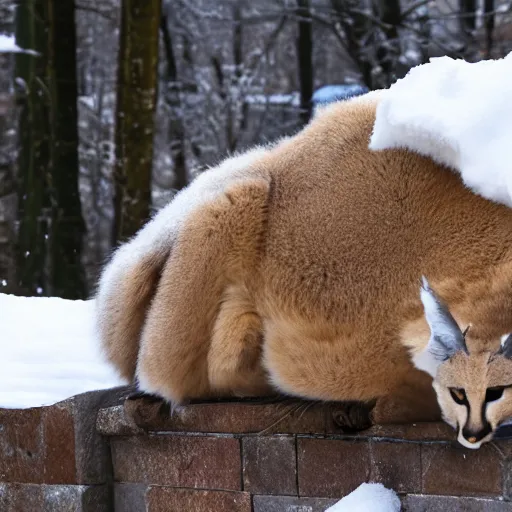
point(52, 458)
point(97, 453)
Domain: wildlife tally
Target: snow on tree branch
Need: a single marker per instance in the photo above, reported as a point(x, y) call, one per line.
point(8, 45)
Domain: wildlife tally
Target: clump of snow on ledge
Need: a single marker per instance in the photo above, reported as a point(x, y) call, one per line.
point(49, 351)
point(8, 45)
point(457, 113)
point(368, 498)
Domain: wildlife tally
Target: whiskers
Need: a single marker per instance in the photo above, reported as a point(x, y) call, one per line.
point(293, 408)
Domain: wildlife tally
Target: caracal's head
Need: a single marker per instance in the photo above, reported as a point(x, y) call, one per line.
point(474, 389)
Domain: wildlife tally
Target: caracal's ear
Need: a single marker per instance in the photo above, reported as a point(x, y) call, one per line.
point(446, 338)
point(506, 346)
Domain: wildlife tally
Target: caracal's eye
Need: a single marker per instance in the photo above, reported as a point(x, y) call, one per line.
point(493, 394)
point(458, 395)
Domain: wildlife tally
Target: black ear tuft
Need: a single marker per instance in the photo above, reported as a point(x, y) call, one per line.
point(446, 338)
point(506, 347)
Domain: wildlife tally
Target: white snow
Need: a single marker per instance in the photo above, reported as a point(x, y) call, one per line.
point(457, 113)
point(368, 498)
point(8, 45)
point(49, 351)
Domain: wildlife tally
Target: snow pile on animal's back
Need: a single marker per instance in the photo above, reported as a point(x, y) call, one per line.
point(457, 113)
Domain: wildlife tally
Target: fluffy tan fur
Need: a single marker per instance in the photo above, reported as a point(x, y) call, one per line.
point(305, 277)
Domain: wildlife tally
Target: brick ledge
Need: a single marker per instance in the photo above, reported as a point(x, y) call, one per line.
point(97, 449)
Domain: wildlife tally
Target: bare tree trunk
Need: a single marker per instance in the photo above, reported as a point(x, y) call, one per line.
point(489, 23)
point(355, 26)
point(68, 227)
point(233, 131)
point(305, 59)
point(390, 14)
point(467, 26)
point(173, 99)
point(51, 226)
point(136, 105)
point(33, 156)
point(468, 15)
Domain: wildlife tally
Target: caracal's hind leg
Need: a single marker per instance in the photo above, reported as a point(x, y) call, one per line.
point(235, 355)
point(346, 367)
point(327, 364)
point(217, 245)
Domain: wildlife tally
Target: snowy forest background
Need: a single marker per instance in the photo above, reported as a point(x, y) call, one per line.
point(127, 100)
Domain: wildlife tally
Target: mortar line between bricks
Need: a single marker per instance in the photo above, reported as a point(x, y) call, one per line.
point(377, 439)
point(182, 488)
point(371, 472)
point(331, 437)
point(242, 465)
point(421, 470)
point(297, 465)
point(185, 433)
point(167, 433)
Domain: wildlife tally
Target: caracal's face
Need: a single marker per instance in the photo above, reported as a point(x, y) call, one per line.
point(474, 392)
point(474, 388)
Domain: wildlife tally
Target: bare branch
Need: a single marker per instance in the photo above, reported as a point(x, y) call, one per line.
point(100, 12)
point(412, 8)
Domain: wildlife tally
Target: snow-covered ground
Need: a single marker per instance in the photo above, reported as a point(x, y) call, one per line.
point(457, 113)
point(49, 351)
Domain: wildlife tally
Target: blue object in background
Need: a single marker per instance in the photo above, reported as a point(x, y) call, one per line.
point(331, 93)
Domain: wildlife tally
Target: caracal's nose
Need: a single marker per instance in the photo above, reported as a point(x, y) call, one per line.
point(474, 436)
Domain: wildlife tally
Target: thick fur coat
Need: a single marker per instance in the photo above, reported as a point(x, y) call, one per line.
point(298, 267)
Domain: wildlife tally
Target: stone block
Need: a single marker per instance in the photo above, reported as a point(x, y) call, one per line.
point(113, 421)
point(289, 504)
point(21, 497)
point(448, 469)
point(270, 465)
point(92, 457)
point(208, 462)
point(57, 444)
point(331, 468)
point(76, 498)
point(507, 479)
point(54, 498)
point(397, 465)
point(130, 497)
point(424, 503)
point(164, 499)
point(22, 446)
point(37, 445)
point(59, 439)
